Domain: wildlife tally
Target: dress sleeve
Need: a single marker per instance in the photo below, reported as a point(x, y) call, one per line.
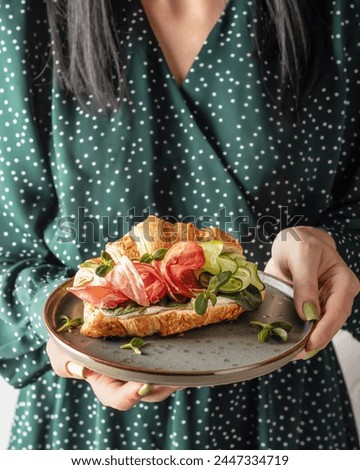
point(343, 223)
point(28, 201)
point(342, 220)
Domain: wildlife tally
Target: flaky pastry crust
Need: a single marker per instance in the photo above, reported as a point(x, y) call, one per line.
point(155, 233)
point(165, 323)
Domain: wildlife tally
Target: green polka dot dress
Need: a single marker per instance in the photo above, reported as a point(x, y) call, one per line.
point(213, 150)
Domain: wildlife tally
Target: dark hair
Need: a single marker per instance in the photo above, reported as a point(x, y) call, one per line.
point(87, 55)
point(86, 52)
point(295, 34)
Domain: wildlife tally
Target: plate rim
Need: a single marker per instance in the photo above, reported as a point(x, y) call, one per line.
point(163, 377)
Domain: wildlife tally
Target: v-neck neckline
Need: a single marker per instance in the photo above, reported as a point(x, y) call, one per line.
point(201, 52)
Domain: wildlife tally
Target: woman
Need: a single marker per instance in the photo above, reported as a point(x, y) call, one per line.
point(260, 123)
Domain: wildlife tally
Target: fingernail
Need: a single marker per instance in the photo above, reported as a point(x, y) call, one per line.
point(145, 389)
point(311, 353)
point(76, 370)
point(310, 311)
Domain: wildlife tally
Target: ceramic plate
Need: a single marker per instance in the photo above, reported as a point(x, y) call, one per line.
point(212, 355)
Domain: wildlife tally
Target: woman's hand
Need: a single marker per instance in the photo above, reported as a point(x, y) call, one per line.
point(324, 286)
point(111, 392)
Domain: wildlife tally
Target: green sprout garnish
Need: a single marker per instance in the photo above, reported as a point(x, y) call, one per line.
point(102, 269)
point(69, 323)
point(135, 344)
point(124, 309)
point(106, 265)
point(276, 329)
point(202, 299)
point(158, 255)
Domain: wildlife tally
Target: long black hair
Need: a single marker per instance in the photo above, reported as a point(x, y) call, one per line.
point(88, 63)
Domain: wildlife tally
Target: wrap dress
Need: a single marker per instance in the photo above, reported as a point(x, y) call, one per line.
point(213, 150)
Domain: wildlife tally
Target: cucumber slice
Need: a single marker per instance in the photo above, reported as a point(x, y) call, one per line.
point(254, 280)
point(233, 285)
point(212, 251)
point(244, 275)
point(227, 264)
point(239, 259)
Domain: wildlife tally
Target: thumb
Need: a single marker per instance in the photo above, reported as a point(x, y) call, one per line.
point(306, 296)
point(306, 287)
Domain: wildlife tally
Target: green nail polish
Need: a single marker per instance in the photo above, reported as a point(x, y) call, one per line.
point(311, 353)
point(310, 311)
point(145, 389)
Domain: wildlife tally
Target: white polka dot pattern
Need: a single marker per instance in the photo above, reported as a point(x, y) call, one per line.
point(214, 149)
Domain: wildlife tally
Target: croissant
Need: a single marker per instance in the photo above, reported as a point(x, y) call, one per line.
point(129, 300)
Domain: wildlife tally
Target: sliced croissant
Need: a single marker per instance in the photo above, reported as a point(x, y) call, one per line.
point(147, 237)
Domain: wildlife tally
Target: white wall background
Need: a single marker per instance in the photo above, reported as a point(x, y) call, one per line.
point(348, 350)
point(8, 402)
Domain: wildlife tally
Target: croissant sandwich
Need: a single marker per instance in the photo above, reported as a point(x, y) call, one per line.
point(166, 278)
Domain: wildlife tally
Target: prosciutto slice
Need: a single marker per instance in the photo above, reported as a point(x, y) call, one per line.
point(143, 283)
point(124, 276)
point(95, 290)
point(177, 268)
point(155, 285)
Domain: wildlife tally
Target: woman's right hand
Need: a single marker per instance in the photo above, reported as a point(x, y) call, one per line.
point(111, 392)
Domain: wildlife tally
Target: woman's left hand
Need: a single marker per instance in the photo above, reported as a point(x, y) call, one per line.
point(324, 286)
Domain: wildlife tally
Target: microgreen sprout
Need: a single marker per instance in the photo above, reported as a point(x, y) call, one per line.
point(69, 323)
point(135, 344)
point(106, 265)
point(276, 329)
point(215, 282)
point(158, 255)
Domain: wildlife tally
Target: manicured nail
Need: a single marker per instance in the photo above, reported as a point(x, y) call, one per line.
point(76, 370)
point(145, 389)
point(311, 353)
point(310, 311)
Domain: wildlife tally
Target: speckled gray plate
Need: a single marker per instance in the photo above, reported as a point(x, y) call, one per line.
point(212, 355)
